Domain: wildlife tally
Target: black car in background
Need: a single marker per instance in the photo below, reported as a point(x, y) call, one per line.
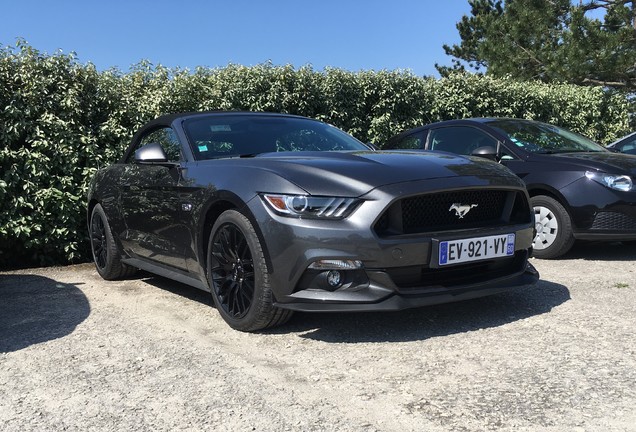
point(579, 189)
point(627, 144)
point(276, 213)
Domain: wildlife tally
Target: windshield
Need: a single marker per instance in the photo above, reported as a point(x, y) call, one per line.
point(227, 135)
point(537, 137)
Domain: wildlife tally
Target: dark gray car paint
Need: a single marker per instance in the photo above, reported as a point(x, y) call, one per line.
point(183, 197)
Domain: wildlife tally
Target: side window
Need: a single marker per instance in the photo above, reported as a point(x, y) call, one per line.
point(166, 138)
point(459, 139)
point(629, 147)
point(410, 142)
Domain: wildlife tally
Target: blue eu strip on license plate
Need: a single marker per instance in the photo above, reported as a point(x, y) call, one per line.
point(475, 249)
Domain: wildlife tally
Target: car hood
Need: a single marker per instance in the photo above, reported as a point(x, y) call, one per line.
point(614, 163)
point(356, 173)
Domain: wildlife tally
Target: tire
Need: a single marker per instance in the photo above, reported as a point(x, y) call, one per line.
point(554, 228)
point(238, 275)
point(106, 253)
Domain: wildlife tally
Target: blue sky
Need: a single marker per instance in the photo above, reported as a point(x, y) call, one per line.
point(352, 35)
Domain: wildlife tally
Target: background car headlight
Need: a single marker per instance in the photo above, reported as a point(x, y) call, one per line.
point(311, 206)
point(613, 181)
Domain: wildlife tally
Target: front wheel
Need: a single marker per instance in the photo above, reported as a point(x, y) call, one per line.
point(238, 275)
point(554, 228)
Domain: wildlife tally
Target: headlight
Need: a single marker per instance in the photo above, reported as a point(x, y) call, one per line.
point(311, 206)
point(613, 181)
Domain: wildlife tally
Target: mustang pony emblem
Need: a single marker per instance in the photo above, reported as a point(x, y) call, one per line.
point(461, 209)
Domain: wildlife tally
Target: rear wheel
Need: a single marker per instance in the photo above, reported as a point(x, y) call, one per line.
point(554, 228)
point(238, 275)
point(106, 253)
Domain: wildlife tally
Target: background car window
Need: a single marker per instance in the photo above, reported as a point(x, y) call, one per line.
point(166, 138)
point(537, 137)
point(459, 139)
point(629, 147)
point(410, 142)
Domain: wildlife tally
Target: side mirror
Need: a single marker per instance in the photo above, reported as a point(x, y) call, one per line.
point(151, 153)
point(487, 152)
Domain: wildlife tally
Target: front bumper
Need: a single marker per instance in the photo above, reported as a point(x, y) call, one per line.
point(392, 300)
point(600, 213)
point(397, 272)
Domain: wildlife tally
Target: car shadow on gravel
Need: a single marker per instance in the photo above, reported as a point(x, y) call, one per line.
point(36, 309)
point(174, 287)
point(430, 321)
point(601, 251)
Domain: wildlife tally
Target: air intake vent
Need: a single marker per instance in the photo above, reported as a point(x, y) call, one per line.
point(613, 221)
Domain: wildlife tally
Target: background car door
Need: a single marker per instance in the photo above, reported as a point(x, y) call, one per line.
point(151, 206)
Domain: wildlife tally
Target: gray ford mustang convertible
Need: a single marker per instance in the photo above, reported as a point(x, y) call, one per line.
point(277, 213)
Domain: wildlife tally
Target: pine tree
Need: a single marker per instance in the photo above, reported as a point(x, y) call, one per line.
point(588, 42)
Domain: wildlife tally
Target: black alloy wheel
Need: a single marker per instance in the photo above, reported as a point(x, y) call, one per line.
point(233, 271)
point(98, 241)
point(106, 253)
point(239, 277)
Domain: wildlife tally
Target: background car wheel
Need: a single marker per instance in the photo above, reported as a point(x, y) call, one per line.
point(106, 253)
point(238, 275)
point(554, 228)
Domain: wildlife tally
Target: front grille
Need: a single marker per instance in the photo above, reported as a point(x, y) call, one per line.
point(462, 209)
point(419, 279)
point(613, 221)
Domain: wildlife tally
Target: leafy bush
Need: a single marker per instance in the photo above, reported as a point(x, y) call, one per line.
point(51, 111)
point(61, 120)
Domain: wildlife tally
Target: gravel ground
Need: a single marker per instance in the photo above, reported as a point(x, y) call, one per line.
point(79, 353)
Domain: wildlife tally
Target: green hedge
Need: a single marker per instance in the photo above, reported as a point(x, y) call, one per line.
point(60, 120)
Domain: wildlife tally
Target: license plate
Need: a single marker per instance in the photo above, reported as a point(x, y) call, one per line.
point(475, 249)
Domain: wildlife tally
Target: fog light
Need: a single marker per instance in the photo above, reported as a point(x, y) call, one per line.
point(334, 278)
